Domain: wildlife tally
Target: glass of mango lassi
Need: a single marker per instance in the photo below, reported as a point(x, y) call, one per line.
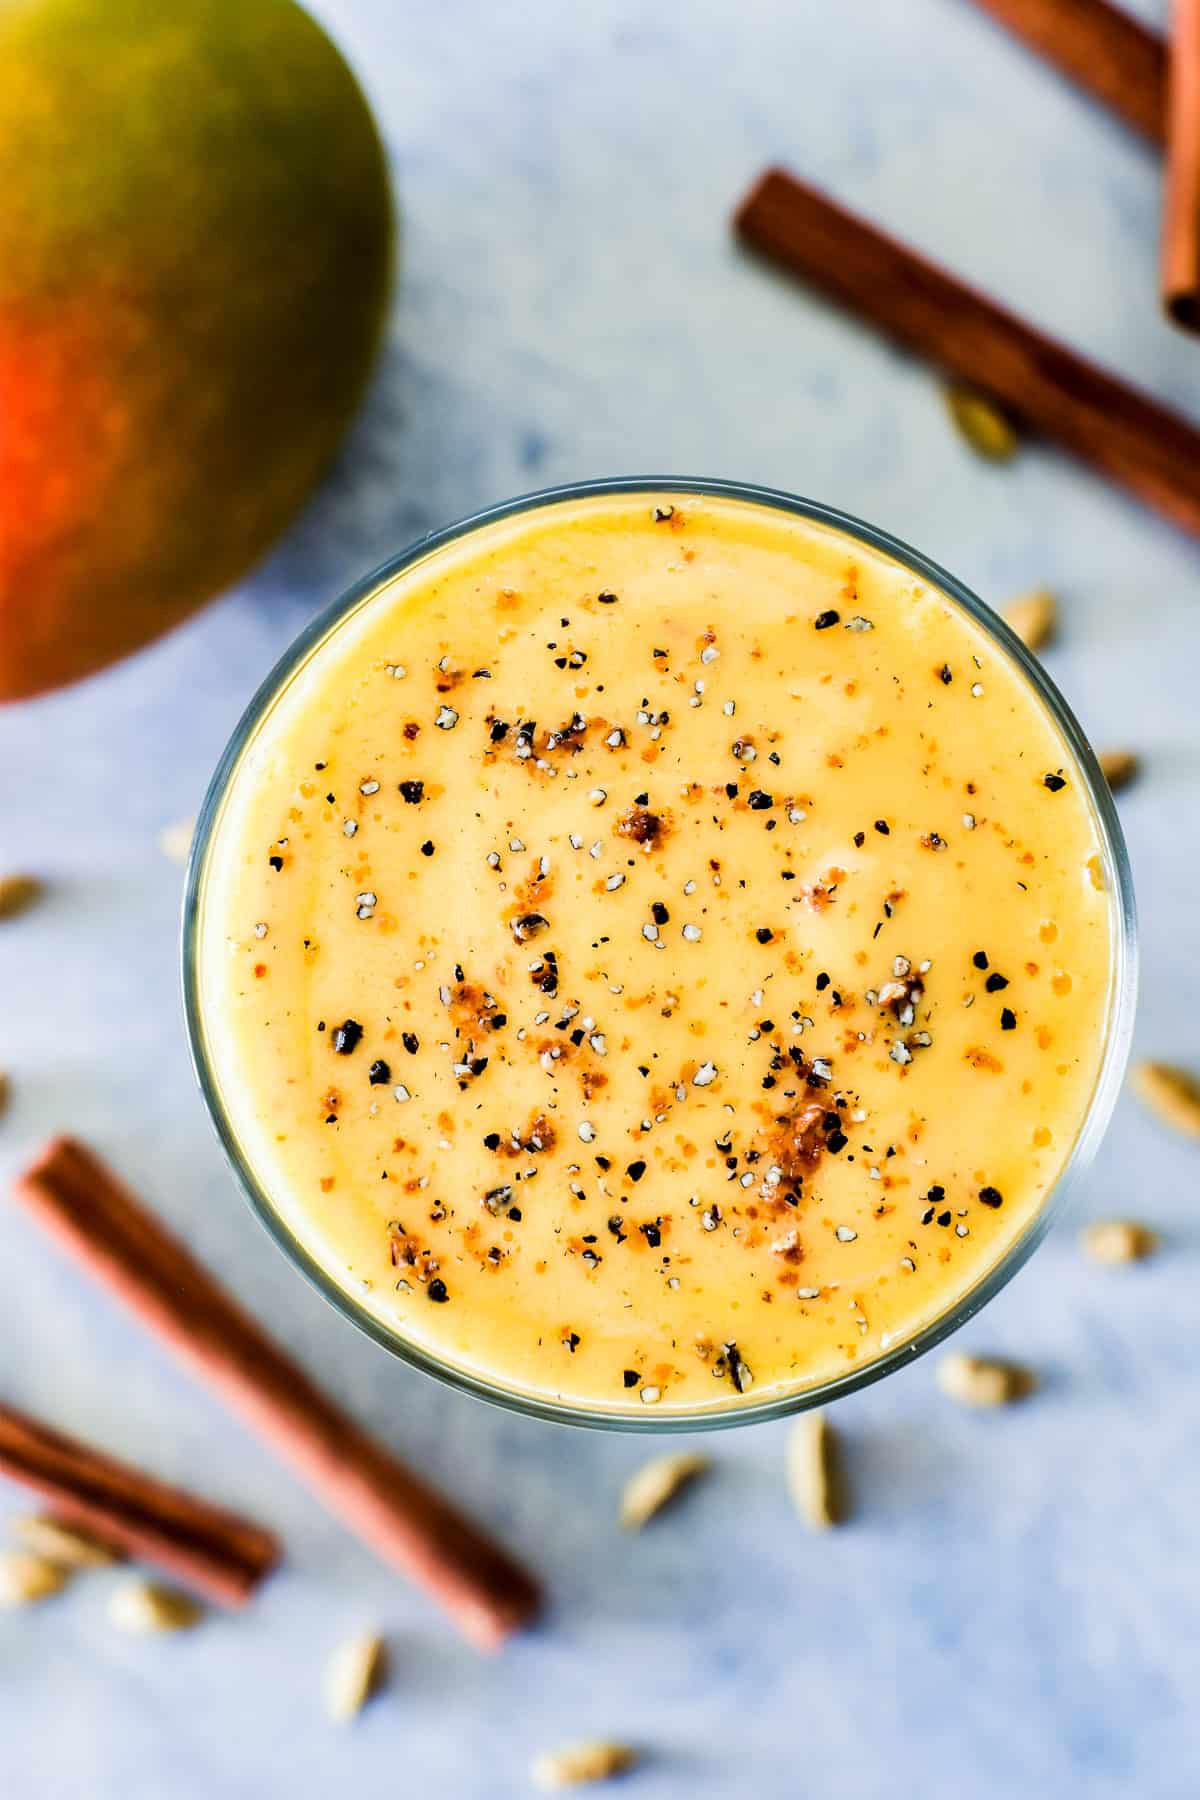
point(657, 953)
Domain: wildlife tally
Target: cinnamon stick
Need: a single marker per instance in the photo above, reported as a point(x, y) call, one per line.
point(1102, 48)
point(222, 1556)
point(93, 1216)
point(1042, 384)
point(1181, 213)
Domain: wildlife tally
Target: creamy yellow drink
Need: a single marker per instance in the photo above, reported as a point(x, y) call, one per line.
point(656, 951)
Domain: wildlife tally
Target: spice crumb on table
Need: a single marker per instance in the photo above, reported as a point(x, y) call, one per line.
point(981, 423)
point(983, 1381)
point(1118, 1241)
point(1119, 767)
point(146, 1608)
point(575, 1765)
point(355, 1672)
point(656, 1483)
point(175, 840)
point(27, 1577)
point(69, 1545)
point(1171, 1093)
point(18, 893)
point(1034, 617)
point(814, 1472)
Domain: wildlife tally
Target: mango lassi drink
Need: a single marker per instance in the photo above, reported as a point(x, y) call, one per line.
point(655, 950)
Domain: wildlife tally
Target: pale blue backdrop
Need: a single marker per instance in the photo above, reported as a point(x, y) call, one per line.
point(1013, 1611)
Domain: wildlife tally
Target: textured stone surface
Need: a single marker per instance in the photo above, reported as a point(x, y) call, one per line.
point(1012, 1609)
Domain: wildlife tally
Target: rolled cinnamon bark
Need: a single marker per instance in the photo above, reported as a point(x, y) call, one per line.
point(221, 1555)
point(1181, 210)
point(1040, 383)
point(1102, 48)
point(94, 1217)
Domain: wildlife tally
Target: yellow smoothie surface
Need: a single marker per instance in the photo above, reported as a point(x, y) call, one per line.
point(656, 951)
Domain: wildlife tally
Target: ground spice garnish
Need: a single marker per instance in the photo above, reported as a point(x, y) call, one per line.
point(731, 1363)
point(643, 827)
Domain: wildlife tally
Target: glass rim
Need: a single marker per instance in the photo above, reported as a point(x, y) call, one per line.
point(1119, 1027)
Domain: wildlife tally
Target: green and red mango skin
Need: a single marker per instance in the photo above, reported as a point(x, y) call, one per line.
point(195, 256)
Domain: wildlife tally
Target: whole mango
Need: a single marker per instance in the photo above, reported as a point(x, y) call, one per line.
point(195, 252)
